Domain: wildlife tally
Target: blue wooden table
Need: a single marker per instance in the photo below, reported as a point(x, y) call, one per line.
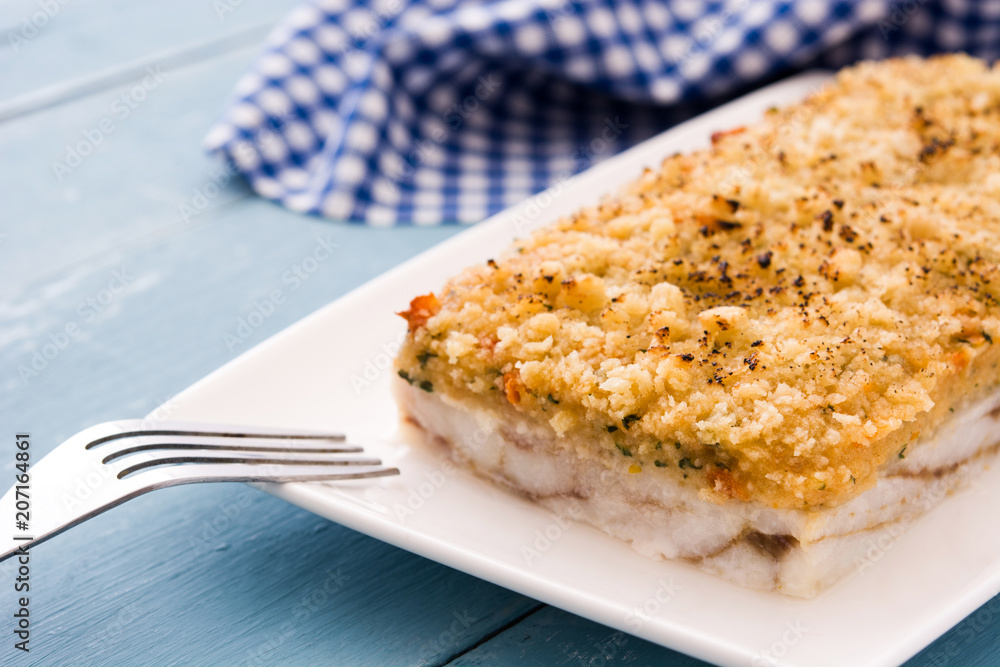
point(103, 107)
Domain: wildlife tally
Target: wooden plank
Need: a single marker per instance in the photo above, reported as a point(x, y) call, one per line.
point(232, 576)
point(132, 180)
point(222, 568)
point(71, 41)
point(186, 286)
point(130, 73)
point(975, 642)
point(555, 637)
point(210, 575)
point(166, 327)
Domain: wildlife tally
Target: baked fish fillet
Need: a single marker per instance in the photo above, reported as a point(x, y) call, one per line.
point(762, 357)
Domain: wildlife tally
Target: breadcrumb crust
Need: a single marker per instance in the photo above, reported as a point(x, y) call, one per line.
point(771, 319)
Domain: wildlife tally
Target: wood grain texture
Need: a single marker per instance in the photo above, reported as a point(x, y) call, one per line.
point(206, 575)
point(82, 41)
point(975, 642)
point(221, 574)
point(554, 637)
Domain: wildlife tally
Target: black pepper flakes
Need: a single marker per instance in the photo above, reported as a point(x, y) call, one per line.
point(827, 218)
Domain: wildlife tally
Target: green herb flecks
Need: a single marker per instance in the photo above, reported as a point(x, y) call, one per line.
point(422, 357)
point(629, 420)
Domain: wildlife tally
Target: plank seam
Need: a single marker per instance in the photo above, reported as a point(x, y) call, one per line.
point(150, 239)
point(60, 93)
point(510, 624)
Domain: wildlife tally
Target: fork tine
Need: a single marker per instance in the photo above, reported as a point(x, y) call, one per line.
point(190, 475)
point(132, 428)
point(74, 482)
point(243, 472)
point(205, 444)
point(246, 460)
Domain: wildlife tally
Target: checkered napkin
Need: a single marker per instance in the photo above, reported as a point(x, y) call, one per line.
point(441, 111)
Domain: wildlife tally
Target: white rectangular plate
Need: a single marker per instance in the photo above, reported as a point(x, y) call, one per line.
point(332, 371)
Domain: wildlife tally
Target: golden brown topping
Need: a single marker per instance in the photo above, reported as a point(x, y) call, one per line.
point(771, 318)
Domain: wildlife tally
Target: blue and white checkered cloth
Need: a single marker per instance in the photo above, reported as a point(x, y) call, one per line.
point(447, 111)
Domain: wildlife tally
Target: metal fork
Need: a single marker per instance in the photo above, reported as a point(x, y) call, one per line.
point(105, 465)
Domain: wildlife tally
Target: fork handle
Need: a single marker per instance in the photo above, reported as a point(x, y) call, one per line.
point(14, 543)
